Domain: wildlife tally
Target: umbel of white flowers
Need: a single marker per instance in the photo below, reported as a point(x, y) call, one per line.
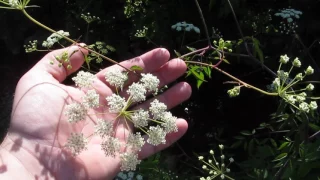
point(155, 121)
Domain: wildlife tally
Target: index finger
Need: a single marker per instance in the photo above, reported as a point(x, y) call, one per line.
point(150, 61)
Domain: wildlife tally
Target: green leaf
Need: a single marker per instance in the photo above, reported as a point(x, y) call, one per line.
point(136, 68)
point(207, 71)
point(191, 48)
point(246, 133)
point(280, 157)
point(236, 144)
point(283, 145)
point(257, 50)
point(199, 81)
point(199, 76)
point(273, 142)
point(177, 53)
point(314, 127)
point(87, 60)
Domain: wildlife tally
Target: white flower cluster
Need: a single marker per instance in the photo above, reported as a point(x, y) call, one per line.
point(156, 122)
point(183, 26)
point(283, 85)
point(54, 38)
point(289, 16)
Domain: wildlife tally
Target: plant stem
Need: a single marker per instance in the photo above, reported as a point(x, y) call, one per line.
point(234, 78)
point(204, 23)
point(70, 40)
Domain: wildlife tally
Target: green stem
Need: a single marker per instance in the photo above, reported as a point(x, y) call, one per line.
point(70, 40)
point(234, 78)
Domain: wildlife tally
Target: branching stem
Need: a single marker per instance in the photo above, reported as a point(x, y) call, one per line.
point(71, 41)
point(234, 78)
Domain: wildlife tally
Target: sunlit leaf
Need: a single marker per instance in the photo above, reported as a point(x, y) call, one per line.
point(136, 68)
point(283, 145)
point(280, 157)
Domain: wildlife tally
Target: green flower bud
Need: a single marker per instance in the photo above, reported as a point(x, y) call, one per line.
point(310, 87)
point(296, 62)
point(309, 70)
point(284, 59)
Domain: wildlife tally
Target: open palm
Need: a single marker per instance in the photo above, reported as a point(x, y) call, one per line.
point(40, 129)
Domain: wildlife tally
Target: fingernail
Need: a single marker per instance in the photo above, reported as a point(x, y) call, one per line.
point(161, 52)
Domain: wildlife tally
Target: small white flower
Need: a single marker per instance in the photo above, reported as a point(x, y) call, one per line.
point(116, 77)
point(83, 79)
point(137, 92)
point(110, 146)
point(14, 3)
point(156, 135)
point(157, 108)
point(76, 143)
point(299, 77)
point(221, 146)
point(135, 141)
point(284, 59)
point(116, 103)
point(129, 161)
point(75, 112)
point(91, 99)
point(103, 128)
point(291, 99)
point(310, 87)
point(296, 62)
point(169, 122)
point(309, 70)
point(150, 82)
point(231, 160)
point(140, 118)
point(313, 105)
point(304, 107)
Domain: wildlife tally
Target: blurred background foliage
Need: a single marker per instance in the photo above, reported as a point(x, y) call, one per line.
point(133, 27)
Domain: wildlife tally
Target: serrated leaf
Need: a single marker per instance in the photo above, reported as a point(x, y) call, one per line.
point(199, 81)
point(280, 157)
point(136, 68)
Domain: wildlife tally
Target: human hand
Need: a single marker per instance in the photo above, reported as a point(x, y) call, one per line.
point(39, 130)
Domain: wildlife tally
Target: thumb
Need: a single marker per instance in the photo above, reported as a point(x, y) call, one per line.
point(61, 63)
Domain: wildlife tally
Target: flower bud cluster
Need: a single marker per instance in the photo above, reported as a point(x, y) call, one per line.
point(155, 122)
point(88, 18)
point(284, 86)
point(214, 168)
